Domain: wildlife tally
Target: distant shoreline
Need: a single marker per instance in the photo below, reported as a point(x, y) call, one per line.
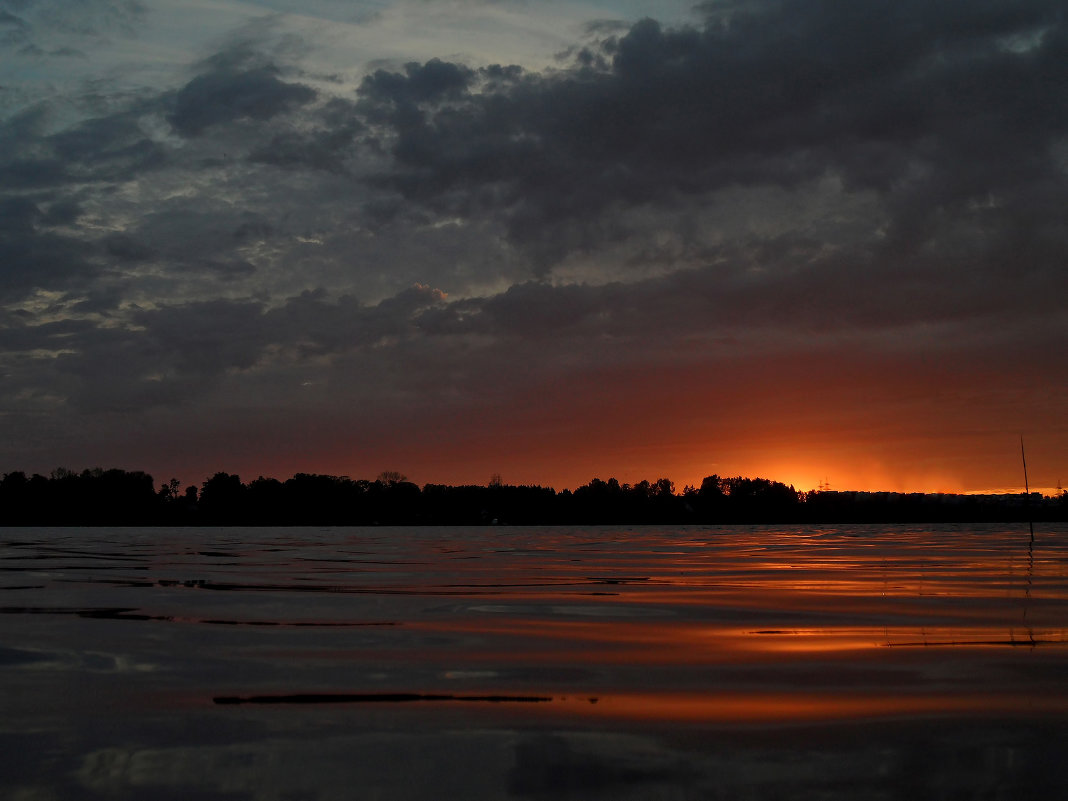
point(120, 497)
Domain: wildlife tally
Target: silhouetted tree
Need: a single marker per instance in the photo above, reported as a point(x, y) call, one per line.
point(15, 502)
point(222, 500)
point(266, 502)
point(119, 497)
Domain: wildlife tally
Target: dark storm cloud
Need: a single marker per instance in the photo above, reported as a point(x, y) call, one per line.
point(315, 324)
point(16, 336)
point(103, 149)
point(205, 338)
point(170, 355)
point(931, 106)
point(28, 25)
point(126, 248)
point(86, 17)
point(33, 255)
point(25, 160)
point(51, 177)
point(14, 31)
point(231, 93)
point(11, 27)
point(227, 94)
point(111, 148)
point(325, 141)
point(420, 83)
point(174, 353)
point(47, 177)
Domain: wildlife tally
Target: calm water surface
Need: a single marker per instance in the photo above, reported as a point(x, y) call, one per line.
point(863, 662)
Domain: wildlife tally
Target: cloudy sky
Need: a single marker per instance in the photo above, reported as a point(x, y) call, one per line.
point(799, 239)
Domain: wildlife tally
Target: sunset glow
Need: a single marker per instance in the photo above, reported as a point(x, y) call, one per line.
point(548, 241)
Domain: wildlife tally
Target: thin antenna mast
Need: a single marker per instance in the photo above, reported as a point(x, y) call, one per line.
point(1027, 490)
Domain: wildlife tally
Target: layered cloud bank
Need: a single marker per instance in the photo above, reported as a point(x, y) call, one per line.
point(782, 238)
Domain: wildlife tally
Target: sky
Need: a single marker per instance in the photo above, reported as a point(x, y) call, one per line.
point(812, 241)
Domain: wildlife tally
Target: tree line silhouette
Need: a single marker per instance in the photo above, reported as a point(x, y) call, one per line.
point(120, 497)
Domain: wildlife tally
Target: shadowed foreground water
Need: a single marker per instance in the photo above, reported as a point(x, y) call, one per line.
point(482, 663)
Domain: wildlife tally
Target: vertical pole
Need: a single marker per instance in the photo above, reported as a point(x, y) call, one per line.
point(1027, 490)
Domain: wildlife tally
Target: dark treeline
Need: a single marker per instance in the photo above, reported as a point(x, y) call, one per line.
point(120, 497)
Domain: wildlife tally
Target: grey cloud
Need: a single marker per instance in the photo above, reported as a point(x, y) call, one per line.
point(192, 243)
point(18, 336)
point(14, 31)
point(798, 295)
point(18, 214)
point(225, 95)
point(33, 173)
point(227, 269)
point(325, 142)
point(173, 355)
point(25, 160)
point(938, 123)
point(604, 27)
point(30, 26)
point(316, 325)
point(435, 80)
point(930, 106)
point(530, 310)
point(34, 256)
point(107, 148)
point(87, 17)
point(201, 340)
point(92, 169)
point(9, 20)
point(26, 124)
point(209, 206)
point(102, 149)
point(205, 337)
point(103, 300)
point(62, 212)
point(127, 248)
point(177, 353)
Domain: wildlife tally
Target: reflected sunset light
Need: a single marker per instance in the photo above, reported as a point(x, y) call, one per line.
point(413, 635)
point(741, 709)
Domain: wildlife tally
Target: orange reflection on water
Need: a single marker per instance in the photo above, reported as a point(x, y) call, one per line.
point(532, 641)
point(757, 708)
point(825, 640)
point(665, 643)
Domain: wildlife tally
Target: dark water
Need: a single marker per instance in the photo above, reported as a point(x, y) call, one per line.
point(665, 663)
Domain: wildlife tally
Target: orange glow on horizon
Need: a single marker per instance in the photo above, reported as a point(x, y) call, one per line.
point(802, 421)
point(552, 470)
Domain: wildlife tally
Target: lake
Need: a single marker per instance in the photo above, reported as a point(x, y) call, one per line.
point(845, 662)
